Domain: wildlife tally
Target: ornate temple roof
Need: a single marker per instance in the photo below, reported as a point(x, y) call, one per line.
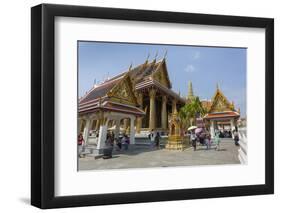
point(219, 107)
point(222, 115)
point(107, 105)
point(154, 69)
point(206, 104)
point(99, 91)
point(147, 74)
point(115, 94)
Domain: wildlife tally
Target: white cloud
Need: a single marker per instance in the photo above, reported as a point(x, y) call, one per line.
point(189, 68)
point(196, 55)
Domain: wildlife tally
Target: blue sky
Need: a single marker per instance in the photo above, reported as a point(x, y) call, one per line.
point(204, 66)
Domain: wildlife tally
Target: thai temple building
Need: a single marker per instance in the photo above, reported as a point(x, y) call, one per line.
point(138, 100)
point(141, 99)
point(221, 114)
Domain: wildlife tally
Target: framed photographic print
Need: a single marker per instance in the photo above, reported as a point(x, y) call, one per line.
point(139, 106)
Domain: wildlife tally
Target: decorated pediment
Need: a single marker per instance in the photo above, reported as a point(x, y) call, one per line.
point(161, 75)
point(220, 103)
point(122, 92)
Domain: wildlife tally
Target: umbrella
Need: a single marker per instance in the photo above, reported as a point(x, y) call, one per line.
point(114, 127)
point(198, 130)
point(192, 127)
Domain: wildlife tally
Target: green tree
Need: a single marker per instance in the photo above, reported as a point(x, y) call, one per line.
point(190, 111)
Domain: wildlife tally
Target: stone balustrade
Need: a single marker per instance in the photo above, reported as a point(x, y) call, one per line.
point(242, 152)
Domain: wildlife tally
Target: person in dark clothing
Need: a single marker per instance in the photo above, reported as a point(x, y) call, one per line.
point(236, 137)
point(157, 140)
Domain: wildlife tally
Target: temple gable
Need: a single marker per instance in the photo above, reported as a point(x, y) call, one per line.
point(220, 103)
point(161, 75)
point(122, 92)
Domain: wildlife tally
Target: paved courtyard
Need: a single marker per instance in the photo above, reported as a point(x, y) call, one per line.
point(141, 156)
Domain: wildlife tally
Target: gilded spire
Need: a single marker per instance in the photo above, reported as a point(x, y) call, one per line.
point(190, 90)
point(131, 65)
point(155, 57)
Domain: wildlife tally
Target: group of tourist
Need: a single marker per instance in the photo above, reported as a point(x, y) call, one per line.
point(122, 143)
point(111, 141)
point(204, 138)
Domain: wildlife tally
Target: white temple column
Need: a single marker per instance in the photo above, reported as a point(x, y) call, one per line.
point(132, 131)
point(232, 127)
point(91, 124)
point(102, 136)
point(86, 130)
point(212, 129)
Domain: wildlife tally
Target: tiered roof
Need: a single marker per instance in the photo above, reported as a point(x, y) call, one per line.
point(104, 97)
point(219, 107)
point(145, 75)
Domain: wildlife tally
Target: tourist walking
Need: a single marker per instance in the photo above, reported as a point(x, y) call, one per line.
point(107, 150)
point(118, 143)
point(157, 140)
point(151, 136)
point(208, 141)
point(193, 139)
point(125, 142)
point(217, 140)
point(236, 137)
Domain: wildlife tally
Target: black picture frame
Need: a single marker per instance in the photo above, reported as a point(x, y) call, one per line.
point(43, 102)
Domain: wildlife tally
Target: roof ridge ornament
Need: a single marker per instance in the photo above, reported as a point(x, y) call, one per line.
point(130, 67)
point(155, 57)
point(148, 55)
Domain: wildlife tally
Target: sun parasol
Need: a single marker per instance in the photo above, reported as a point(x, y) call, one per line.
point(192, 127)
point(198, 130)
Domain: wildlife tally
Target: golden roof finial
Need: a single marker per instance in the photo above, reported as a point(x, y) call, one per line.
point(131, 65)
point(155, 57)
point(217, 86)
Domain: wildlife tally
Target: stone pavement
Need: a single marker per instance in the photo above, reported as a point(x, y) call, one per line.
point(145, 157)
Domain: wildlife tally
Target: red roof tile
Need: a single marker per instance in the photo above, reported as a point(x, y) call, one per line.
point(221, 115)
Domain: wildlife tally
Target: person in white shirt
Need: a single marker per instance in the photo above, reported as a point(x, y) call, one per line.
point(193, 139)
